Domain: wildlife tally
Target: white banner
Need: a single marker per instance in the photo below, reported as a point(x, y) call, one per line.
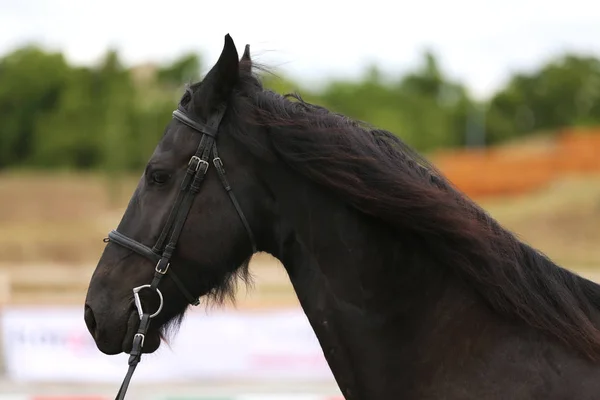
point(53, 344)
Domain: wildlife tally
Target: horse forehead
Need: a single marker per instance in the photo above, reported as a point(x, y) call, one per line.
point(178, 139)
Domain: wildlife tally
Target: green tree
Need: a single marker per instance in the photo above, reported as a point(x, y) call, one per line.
point(184, 70)
point(31, 83)
point(436, 108)
point(564, 92)
point(54, 115)
point(70, 134)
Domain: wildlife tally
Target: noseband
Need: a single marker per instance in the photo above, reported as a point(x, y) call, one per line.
point(162, 251)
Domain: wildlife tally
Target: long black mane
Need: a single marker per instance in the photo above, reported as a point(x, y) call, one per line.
point(378, 174)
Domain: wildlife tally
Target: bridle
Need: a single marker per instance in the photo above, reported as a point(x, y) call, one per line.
point(163, 249)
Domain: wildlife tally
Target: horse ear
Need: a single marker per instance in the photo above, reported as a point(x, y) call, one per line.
point(246, 55)
point(223, 76)
point(246, 61)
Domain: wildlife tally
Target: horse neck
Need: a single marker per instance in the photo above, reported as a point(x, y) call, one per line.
point(369, 293)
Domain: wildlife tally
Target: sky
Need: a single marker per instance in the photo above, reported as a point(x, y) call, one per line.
point(480, 42)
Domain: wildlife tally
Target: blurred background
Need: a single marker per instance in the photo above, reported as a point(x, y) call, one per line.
point(503, 96)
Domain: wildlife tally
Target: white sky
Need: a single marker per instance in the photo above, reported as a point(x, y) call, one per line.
point(478, 41)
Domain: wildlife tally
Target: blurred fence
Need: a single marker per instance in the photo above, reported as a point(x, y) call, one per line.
point(506, 170)
point(266, 354)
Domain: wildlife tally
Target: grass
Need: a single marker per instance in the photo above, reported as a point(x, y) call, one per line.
point(51, 221)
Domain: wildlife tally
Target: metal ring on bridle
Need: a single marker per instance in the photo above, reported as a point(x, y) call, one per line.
point(138, 302)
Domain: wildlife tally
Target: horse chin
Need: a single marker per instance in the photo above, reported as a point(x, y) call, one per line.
point(152, 338)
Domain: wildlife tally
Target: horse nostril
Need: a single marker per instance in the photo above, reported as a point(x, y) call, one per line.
point(90, 321)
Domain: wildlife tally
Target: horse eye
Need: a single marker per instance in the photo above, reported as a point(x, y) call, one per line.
point(160, 177)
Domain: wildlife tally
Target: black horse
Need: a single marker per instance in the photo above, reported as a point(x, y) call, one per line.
point(413, 291)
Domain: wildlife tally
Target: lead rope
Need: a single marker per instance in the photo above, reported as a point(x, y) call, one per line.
point(135, 355)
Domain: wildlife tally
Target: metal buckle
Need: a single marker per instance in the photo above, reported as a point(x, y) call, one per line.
point(160, 271)
point(143, 338)
point(138, 302)
point(198, 162)
point(205, 163)
point(217, 160)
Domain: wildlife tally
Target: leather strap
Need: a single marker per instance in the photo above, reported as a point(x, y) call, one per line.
point(135, 356)
point(196, 125)
point(218, 163)
point(118, 237)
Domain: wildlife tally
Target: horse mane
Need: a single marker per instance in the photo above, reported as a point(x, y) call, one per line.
point(378, 174)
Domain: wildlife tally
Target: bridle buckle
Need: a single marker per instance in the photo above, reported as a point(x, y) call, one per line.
point(162, 271)
point(142, 336)
point(197, 162)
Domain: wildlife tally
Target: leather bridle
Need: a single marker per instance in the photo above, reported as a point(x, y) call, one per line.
point(163, 249)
